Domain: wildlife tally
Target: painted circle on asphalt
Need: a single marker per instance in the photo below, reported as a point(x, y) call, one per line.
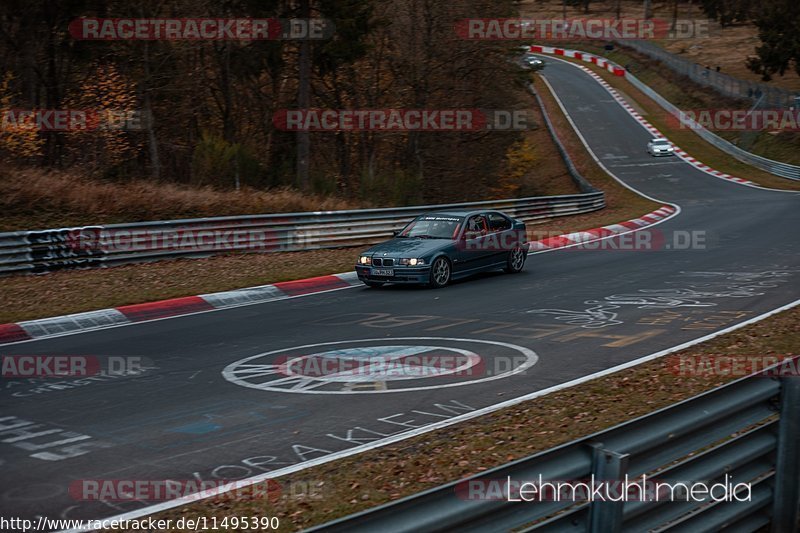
point(381, 363)
point(372, 366)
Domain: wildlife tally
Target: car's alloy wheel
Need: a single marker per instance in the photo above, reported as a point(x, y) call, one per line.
point(440, 273)
point(516, 260)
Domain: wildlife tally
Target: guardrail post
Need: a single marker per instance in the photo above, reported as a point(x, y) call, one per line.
point(786, 498)
point(608, 465)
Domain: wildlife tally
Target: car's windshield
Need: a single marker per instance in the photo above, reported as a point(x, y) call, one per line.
point(661, 144)
point(433, 226)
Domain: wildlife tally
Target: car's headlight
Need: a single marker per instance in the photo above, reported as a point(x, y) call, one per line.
point(365, 260)
point(413, 261)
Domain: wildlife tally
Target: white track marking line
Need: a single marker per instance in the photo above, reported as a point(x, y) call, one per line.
point(164, 506)
point(651, 129)
point(468, 416)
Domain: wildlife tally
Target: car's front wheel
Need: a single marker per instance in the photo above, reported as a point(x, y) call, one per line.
point(516, 260)
point(440, 273)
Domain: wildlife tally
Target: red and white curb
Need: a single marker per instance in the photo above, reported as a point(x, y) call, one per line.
point(130, 314)
point(404, 435)
point(583, 237)
point(575, 54)
point(188, 305)
point(620, 71)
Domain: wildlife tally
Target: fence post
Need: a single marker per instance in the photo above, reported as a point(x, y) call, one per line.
point(608, 465)
point(786, 497)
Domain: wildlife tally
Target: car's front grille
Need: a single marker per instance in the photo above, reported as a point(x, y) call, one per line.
point(377, 261)
point(388, 262)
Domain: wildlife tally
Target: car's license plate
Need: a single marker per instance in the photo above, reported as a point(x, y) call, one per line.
point(382, 272)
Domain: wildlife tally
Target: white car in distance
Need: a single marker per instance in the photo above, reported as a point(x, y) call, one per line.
point(660, 146)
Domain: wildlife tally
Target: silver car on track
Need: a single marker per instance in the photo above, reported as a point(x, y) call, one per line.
point(660, 146)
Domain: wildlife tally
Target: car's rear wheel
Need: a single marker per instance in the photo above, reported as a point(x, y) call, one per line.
point(374, 284)
point(440, 273)
point(516, 260)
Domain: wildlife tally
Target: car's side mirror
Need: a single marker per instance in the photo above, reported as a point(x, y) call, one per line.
point(395, 233)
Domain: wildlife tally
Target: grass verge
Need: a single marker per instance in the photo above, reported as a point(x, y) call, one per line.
point(378, 476)
point(74, 291)
point(686, 138)
point(34, 198)
point(711, 45)
point(621, 203)
point(685, 94)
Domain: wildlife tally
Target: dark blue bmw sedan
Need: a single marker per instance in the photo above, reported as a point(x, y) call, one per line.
point(436, 248)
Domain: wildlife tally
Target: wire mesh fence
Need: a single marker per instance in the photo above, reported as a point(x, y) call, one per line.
point(707, 76)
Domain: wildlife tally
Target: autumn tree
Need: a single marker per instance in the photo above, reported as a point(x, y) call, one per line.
point(108, 100)
point(19, 135)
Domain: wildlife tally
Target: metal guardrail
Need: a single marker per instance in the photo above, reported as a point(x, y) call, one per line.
point(725, 84)
point(784, 170)
point(116, 244)
point(730, 430)
point(582, 183)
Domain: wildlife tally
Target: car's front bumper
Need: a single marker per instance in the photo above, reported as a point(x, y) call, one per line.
point(401, 274)
point(661, 154)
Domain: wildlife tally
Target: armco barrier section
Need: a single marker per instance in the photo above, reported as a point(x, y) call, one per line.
point(783, 170)
point(772, 97)
point(116, 244)
point(729, 431)
point(582, 183)
point(777, 168)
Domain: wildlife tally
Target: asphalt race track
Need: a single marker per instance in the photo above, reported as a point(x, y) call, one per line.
point(568, 314)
